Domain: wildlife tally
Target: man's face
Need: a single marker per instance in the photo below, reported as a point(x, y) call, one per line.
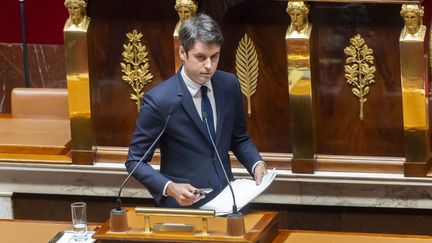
point(201, 61)
point(297, 18)
point(412, 22)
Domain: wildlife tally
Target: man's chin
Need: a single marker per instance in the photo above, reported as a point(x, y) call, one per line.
point(205, 77)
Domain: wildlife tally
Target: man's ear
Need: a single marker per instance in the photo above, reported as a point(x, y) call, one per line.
point(182, 53)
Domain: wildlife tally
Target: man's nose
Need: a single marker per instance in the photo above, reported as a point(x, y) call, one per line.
point(207, 63)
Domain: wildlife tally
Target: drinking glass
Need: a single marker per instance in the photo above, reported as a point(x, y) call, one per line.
point(79, 221)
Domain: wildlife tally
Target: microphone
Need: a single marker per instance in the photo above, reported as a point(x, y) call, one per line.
point(234, 207)
point(118, 224)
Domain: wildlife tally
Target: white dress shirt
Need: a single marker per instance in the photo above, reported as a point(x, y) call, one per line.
point(195, 91)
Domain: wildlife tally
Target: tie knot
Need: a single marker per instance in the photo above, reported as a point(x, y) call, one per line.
point(203, 90)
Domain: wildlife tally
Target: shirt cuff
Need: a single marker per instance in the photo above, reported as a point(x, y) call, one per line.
point(165, 187)
point(256, 163)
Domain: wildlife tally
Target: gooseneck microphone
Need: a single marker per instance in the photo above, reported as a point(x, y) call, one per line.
point(118, 202)
point(118, 215)
point(234, 207)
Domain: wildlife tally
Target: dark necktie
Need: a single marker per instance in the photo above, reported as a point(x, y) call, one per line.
point(207, 109)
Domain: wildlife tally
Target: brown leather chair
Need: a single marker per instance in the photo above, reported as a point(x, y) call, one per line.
point(46, 103)
point(39, 125)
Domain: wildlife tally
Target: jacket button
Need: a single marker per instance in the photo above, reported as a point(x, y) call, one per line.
point(211, 182)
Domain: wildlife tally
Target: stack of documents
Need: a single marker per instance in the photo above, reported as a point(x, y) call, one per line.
point(245, 190)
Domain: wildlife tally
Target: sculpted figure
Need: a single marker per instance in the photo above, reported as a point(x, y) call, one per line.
point(77, 14)
point(298, 11)
point(412, 15)
point(185, 9)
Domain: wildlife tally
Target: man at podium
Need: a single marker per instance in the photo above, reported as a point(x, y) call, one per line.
point(194, 111)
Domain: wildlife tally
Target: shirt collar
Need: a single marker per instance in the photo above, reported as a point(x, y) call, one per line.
point(192, 86)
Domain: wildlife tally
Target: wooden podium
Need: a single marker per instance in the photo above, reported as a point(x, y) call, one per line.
point(260, 227)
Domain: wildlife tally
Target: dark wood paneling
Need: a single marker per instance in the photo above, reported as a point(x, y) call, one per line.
point(339, 130)
point(265, 23)
point(114, 114)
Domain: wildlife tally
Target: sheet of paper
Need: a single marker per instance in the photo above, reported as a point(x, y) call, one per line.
point(245, 190)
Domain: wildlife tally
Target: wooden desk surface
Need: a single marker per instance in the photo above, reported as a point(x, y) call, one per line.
point(34, 140)
point(288, 236)
point(20, 231)
point(23, 231)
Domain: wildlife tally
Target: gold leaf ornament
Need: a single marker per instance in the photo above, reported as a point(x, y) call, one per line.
point(135, 66)
point(247, 69)
point(359, 69)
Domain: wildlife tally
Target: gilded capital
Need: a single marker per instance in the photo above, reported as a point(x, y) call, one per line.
point(77, 14)
point(185, 9)
point(298, 11)
point(413, 18)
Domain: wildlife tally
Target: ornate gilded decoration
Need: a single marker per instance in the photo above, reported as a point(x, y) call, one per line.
point(298, 11)
point(78, 81)
point(136, 67)
point(185, 10)
point(301, 106)
point(247, 69)
point(415, 104)
point(413, 18)
point(359, 69)
point(78, 19)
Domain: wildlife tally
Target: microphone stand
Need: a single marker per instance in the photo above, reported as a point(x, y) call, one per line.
point(118, 215)
point(235, 220)
point(24, 45)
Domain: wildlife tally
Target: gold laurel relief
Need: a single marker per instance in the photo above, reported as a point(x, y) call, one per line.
point(359, 69)
point(247, 69)
point(135, 66)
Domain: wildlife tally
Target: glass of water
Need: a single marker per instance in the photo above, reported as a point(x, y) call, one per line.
point(79, 221)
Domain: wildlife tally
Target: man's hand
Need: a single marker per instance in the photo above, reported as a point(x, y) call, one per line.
point(183, 193)
point(259, 172)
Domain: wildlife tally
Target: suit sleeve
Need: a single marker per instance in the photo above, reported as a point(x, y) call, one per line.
point(241, 144)
point(149, 125)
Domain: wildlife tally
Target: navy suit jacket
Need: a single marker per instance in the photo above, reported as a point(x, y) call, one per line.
point(187, 155)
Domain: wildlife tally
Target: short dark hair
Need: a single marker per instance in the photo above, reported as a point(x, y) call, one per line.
point(199, 28)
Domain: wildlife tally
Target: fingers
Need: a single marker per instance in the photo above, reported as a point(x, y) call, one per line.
point(260, 172)
point(183, 194)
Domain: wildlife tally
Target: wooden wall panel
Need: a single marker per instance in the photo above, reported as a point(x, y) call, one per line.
point(265, 23)
point(114, 115)
point(339, 130)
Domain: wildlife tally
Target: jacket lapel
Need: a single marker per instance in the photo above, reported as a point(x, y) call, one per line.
point(220, 104)
point(189, 106)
